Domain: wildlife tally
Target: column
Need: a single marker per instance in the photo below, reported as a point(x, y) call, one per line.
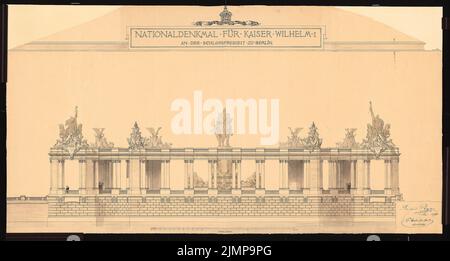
point(263, 174)
point(168, 174)
point(360, 175)
point(215, 163)
point(352, 175)
point(286, 174)
point(367, 177)
point(61, 182)
point(127, 175)
point(395, 176)
point(332, 176)
point(387, 176)
point(233, 174)
point(238, 170)
point(210, 174)
point(191, 170)
point(134, 176)
point(53, 176)
point(284, 186)
point(315, 176)
point(186, 174)
point(116, 177)
point(306, 176)
point(280, 173)
point(111, 174)
point(82, 179)
point(338, 175)
point(143, 177)
point(165, 177)
point(258, 175)
point(119, 174)
point(95, 176)
point(260, 179)
point(188, 177)
point(212, 177)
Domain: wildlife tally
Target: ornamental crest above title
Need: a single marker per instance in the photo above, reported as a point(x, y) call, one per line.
point(225, 19)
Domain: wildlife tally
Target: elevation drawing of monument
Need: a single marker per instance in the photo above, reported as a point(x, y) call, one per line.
point(148, 193)
point(223, 119)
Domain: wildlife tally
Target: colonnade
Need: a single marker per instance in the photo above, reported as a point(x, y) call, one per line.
point(344, 176)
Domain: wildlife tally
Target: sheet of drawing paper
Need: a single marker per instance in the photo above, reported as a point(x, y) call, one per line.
point(224, 119)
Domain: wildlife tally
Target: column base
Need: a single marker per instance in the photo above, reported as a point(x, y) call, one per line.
point(334, 191)
point(283, 191)
point(164, 191)
point(82, 191)
point(358, 192)
point(143, 191)
point(212, 192)
point(134, 191)
point(260, 192)
point(396, 191)
point(189, 192)
point(388, 191)
point(315, 191)
point(115, 191)
point(306, 191)
point(236, 192)
point(366, 191)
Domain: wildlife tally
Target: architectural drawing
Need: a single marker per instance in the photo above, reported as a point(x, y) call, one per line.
point(300, 192)
point(224, 119)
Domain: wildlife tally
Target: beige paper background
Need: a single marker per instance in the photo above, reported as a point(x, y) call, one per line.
point(333, 89)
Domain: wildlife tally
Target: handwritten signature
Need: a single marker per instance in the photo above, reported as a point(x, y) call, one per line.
point(418, 215)
point(416, 222)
